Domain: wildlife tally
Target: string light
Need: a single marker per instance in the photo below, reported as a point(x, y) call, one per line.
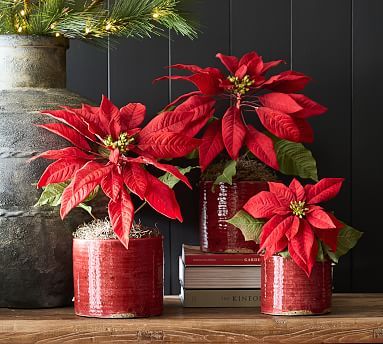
point(156, 13)
point(108, 27)
point(20, 29)
point(57, 34)
point(87, 30)
point(22, 13)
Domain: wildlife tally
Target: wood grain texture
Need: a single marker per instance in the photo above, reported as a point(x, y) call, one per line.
point(355, 318)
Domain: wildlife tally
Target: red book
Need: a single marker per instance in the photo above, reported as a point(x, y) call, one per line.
point(192, 255)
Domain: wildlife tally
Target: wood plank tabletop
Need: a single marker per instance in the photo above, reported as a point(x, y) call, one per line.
point(355, 318)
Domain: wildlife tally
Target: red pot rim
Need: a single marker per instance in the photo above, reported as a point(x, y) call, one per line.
point(161, 237)
point(208, 182)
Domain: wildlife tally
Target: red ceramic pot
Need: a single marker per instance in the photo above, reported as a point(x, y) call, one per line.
point(286, 289)
point(220, 205)
point(113, 282)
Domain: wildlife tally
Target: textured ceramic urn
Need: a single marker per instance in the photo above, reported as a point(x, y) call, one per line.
point(111, 281)
point(219, 204)
point(35, 245)
point(287, 290)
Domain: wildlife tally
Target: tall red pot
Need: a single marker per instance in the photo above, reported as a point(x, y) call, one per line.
point(286, 289)
point(113, 282)
point(220, 205)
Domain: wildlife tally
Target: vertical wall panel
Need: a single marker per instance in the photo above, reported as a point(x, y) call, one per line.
point(87, 68)
point(214, 18)
point(133, 66)
point(321, 44)
point(367, 157)
point(263, 26)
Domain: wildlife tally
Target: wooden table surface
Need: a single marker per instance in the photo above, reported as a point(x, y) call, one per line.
point(354, 318)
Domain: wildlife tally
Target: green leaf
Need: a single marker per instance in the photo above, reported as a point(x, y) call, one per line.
point(347, 239)
point(228, 173)
point(320, 255)
point(284, 254)
point(92, 195)
point(51, 195)
point(171, 180)
point(295, 159)
point(87, 208)
point(250, 227)
point(193, 154)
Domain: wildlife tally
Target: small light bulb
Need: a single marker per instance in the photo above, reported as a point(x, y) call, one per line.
point(156, 15)
point(57, 34)
point(87, 30)
point(108, 26)
point(53, 25)
point(20, 29)
point(22, 13)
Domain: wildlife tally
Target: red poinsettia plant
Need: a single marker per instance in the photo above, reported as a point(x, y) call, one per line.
point(112, 151)
point(289, 220)
point(282, 111)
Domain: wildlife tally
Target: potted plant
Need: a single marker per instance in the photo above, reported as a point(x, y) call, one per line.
point(281, 112)
point(117, 278)
point(34, 38)
point(300, 240)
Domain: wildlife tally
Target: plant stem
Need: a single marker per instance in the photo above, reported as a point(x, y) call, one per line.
point(140, 207)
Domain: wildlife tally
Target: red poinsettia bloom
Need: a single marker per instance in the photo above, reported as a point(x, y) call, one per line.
point(295, 221)
point(111, 150)
point(283, 112)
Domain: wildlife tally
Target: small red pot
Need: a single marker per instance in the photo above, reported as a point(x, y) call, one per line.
point(286, 289)
point(220, 205)
point(113, 282)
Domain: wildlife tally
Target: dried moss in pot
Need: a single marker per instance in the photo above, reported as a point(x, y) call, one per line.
point(248, 169)
point(102, 230)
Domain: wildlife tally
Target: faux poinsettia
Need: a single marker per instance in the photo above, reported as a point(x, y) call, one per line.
point(282, 112)
point(112, 151)
point(291, 218)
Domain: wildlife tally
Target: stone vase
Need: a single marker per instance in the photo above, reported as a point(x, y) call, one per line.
point(35, 245)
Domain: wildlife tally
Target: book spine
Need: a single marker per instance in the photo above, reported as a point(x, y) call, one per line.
point(222, 259)
point(220, 298)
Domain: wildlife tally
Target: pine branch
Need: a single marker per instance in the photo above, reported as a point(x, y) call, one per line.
point(89, 19)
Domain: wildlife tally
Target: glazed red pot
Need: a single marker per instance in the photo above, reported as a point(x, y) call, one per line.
point(220, 205)
point(286, 289)
point(113, 282)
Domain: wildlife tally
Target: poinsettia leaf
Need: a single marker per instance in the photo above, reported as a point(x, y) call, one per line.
point(60, 171)
point(250, 227)
point(69, 116)
point(171, 180)
point(166, 145)
point(310, 107)
point(324, 190)
point(280, 101)
point(230, 62)
point(68, 152)
point(233, 131)
point(347, 239)
point(162, 198)
point(121, 214)
point(262, 147)
point(111, 184)
point(284, 194)
point(168, 121)
point(271, 64)
point(227, 174)
point(295, 159)
point(132, 115)
point(68, 134)
point(285, 126)
point(320, 219)
point(51, 195)
point(212, 144)
point(207, 83)
point(136, 179)
point(262, 205)
point(287, 82)
point(84, 182)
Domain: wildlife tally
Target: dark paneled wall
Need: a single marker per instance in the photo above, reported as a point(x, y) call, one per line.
point(338, 43)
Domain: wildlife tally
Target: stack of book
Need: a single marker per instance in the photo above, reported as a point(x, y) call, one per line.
point(219, 279)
